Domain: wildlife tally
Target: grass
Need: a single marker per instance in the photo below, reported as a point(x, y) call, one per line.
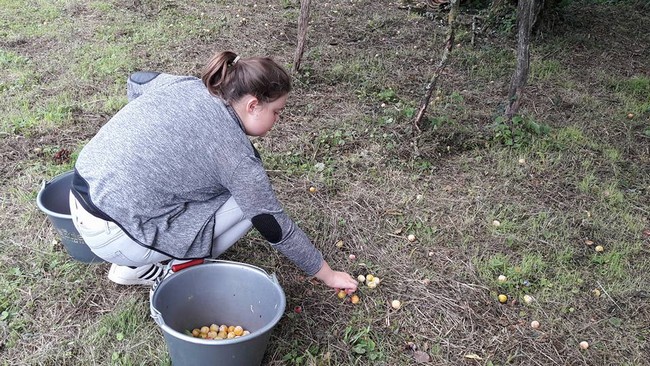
point(572, 169)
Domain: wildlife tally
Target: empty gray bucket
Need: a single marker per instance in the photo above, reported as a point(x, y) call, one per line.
point(217, 292)
point(53, 199)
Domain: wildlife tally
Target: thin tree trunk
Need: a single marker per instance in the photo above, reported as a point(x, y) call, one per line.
point(303, 22)
point(451, 19)
point(526, 15)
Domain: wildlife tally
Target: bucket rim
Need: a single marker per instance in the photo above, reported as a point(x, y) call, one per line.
point(267, 328)
point(39, 200)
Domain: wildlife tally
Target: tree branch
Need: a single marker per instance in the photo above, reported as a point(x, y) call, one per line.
point(453, 13)
point(303, 22)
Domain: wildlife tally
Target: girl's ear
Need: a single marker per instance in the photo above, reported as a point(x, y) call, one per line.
point(251, 104)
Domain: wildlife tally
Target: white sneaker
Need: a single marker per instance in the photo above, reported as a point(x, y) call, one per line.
point(144, 275)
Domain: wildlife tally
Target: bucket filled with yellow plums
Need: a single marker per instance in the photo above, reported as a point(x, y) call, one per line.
point(214, 310)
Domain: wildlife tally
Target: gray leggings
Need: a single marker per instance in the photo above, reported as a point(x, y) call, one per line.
point(109, 242)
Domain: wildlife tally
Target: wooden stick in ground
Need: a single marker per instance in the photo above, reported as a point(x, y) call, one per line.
point(453, 13)
point(303, 22)
point(526, 15)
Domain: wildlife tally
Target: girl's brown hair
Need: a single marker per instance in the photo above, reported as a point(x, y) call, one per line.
point(229, 77)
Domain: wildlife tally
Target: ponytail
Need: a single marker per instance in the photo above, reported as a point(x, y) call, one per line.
point(230, 78)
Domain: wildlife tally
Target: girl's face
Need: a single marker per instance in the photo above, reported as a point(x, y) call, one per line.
point(260, 117)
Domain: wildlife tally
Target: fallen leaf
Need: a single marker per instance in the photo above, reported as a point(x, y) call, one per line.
point(473, 356)
point(421, 357)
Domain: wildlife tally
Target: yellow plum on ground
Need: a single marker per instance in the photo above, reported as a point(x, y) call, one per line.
point(528, 299)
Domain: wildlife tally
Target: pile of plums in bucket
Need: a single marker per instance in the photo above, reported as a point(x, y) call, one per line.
point(218, 332)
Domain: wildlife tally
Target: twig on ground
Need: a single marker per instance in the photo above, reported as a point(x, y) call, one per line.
point(609, 297)
point(590, 325)
point(473, 30)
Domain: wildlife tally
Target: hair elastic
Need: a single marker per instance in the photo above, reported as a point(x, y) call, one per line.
point(234, 61)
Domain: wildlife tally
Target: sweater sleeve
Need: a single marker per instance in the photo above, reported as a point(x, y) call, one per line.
point(251, 189)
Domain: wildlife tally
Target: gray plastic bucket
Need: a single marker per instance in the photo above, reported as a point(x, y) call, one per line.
point(53, 199)
point(217, 292)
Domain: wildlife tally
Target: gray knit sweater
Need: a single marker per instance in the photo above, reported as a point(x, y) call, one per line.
point(166, 162)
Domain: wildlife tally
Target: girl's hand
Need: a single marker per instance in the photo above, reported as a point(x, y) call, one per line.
point(336, 279)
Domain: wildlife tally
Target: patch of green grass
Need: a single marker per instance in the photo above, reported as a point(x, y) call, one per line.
point(38, 18)
point(612, 154)
point(365, 71)
point(10, 284)
point(472, 62)
point(560, 269)
point(633, 94)
point(612, 264)
point(346, 72)
point(636, 87)
point(121, 323)
point(115, 101)
point(546, 70)
point(101, 6)
point(290, 163)
point(588, 183)
point(101, 63)
point(570, 138)
point(119, 335)
point(10, 59)
point(545, 277)
point(49, 262)
point(16, 85)
point(48, 114)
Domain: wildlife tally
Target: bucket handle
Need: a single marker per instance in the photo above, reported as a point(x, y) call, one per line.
point(155, 314)
point(193, 262)
point(272, 277)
